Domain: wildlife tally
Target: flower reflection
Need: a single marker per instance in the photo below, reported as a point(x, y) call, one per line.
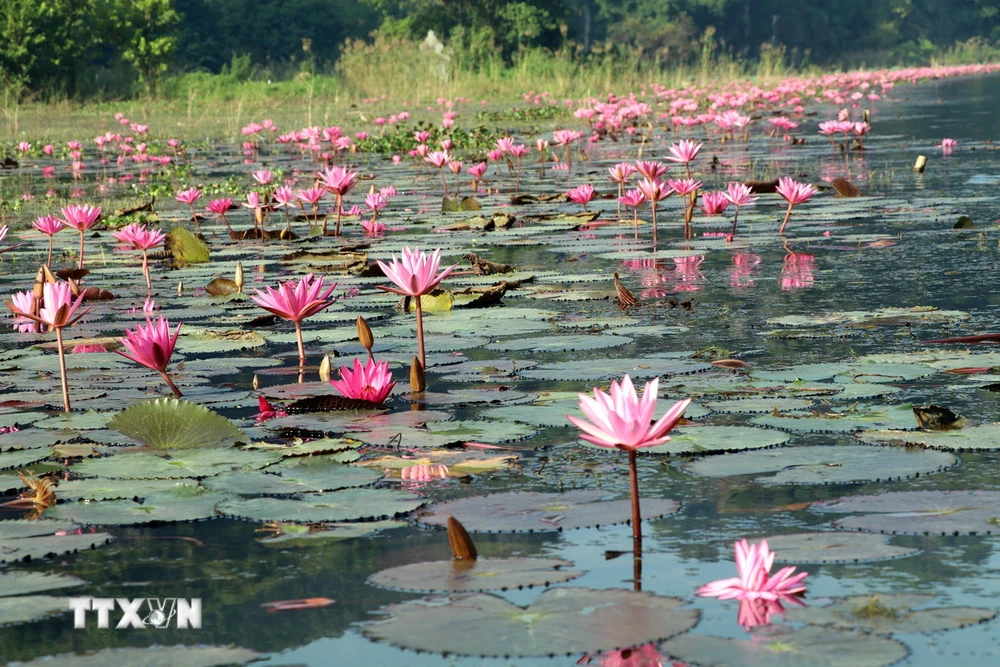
point(646, 655)
point(687, 271)
point(797, 273)
point(754, 613)
point(660, 281)
point(743, 271)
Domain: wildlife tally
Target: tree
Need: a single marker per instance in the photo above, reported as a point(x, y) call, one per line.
point(143, 30)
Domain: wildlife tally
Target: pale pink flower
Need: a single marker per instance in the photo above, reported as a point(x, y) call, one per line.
point(755, 582)
point(684, 151)
point(651, 170)
point(424, 473)
point(415, 274)
point(263, 176)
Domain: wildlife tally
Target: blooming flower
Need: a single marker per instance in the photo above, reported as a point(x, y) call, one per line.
point(139, 236)
point(152, 346)
point(415, 274)
point(189, 196)
point(622, 420)
point(754, 580)
point(684, 151)
point(372, 382)
point(794, 193)
point(714, 203)
point(582, 194)
point(296, 300)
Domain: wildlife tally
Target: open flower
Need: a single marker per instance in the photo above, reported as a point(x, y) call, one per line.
point(754, 580)
point(152, 346)
point(582, 194)
point(372, 382)
point(794, 193)
point(296, 300)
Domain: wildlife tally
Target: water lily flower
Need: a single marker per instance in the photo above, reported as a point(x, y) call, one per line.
point(152, 346)
point(263, 176)
point(415, 275)
point(654, 191)
point(49, 225)
point(141, 238)
point(372, 382)
point(339, 181)
point(794, 193)
point(81, 217)
point(739, 195)
point(582, 194)
point(189, 197)
point(286, 199)
point(754, 580)
point(220, 207)
point(622, 420)
point(714, 203)
point(684, 152)
point(424, 473)
point(295, 300)
point(651, 170)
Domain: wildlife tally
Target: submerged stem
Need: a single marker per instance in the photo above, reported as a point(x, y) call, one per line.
point(62, 367)
point(171, 385)
point(420, 333)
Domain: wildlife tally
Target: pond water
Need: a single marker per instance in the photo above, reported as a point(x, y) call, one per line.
point(831, 319)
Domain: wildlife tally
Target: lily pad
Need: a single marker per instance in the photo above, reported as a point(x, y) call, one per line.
point(851, 418)
point(984, 436)
point(484, 574)
point(176, 464)
point(644, 368)
point(180, 503)
point(520, 511)
point(809, 647)
point(168, 423)
point(827, 464)
point(481, 431)
point(346, 505)
point(17, 458)
point(297, 535)
point(919, 512)
point(564, 343)
point(748, 406)
point(25, 540)
point(888, 614)
point(151, 656)
point(561, 621)
point(551, 410)
point(111, 489)
point(284, 480)
point(20, 582)
point(850, 372)
point(708, 439)
point(834, 547)
point(30, 608)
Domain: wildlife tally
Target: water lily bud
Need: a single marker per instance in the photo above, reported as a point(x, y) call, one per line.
point(462, 546)
point(365, 334)
point(418, 379)
point(180, 288)
point(238, 278)
point(325, 368)
point(920, 164)
point(255, 383)
point(39, 288)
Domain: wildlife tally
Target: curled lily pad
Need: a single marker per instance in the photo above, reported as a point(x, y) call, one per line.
point(25, 540)
point(183, 502)
point(984, 436)
point(483, 574)
point(888, 614)
point(151, 656)
point(561, 621)
point(528, 511)
point(826, 464)
point(834, 547)
point(919, 512)
point(809, 647)
point(169, 423)
point(346, 505)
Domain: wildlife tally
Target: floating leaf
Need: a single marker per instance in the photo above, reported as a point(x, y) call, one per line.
point(757, 405)
point(296, 535)
point(834, 547)
point(564, 343)
point(151, 656)
point(919, 512)
point(19, 582)
point(851, 418)
point(25, 540)
point(888, 614)
point(552, 408)
point(528, 511)
point(480, 431)
point(30, 608)
point(180, 503)
point(849, 372)
point(347, 505)
point(483, 574)
point(17, 458)
point(561, 621)
point(984, 436)
point(809, 647)
point(177, 464)
point(826, 464)
point(288, 479)
point(111, 489)
point(655, 365)
point(707, 439)
point(169, 423)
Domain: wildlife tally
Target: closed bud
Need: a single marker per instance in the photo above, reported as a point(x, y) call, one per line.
point(180, 288)
point(325, 368)
point(47, 274)
point(920, 164)
point(365, 334)
point(418, 379)
point(255, 383)
point(238, 278)
point(39, 288)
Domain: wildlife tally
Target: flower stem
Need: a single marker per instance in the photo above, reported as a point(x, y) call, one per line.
point(298, 339)
point(340, 206)
point(784, 222)
point(145, 269)
point(80, 265)
point(736, 216)
point(653, 206)
point(633, 483)
point(62, 368)
point(444, 182)
point(420, 333)
point(48, 262)
point(170, 383)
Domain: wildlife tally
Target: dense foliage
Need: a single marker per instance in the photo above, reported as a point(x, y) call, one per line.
point(83, 47)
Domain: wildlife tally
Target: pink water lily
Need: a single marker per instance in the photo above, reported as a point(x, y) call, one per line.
point(141, 238)
point(622, 420)
point(582, 194)
point(338, 181)
point(415, 275)
point(81, 217)
point(372, 382)
point(754, 580)
point(152, 346)
point(794, 193)
point(220, 207)
point(739, 195)
point(295, 300)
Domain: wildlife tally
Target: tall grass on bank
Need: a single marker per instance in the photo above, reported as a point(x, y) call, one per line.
point(202, 105)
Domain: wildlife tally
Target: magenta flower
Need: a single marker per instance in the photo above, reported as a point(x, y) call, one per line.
point(739, 195)
point(189, 196)
point(339, 181)
point(220, 207)
point(263, 176)
point(684, 152)
point(714, 203)
point(582, 194)
point(23, 302)
point(286, 199)
point(57, 310)
point(81, 217)
point(565, 138)
point(372, 382)
point(622, 420)
point(754, 580)
point(141, 238)
point(651, 170)
point(654, 191)
point(296, 300)
point(415, 275)
point(633, 199)
point(794, 193)
point(152, 346)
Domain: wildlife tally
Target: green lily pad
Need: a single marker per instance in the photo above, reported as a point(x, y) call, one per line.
point(346, 505)
point(168, 423)
point(480, 431)
point(919, 512)
point(888, 614)
point(834, 546)
point(483, 574)
point(79, 421)
point(984, 436)
point(30, 608)
point(304, 477)
point(848, 372)
point(564, 343)
point(552, 408)
point(851, 418)
point(20, 582)
point(826, 464)
point(196, 340)
point(176, 464)
point(519, 511)
point(111, 489)
point(746, 406)
point(644, 368)
point(151, 656)
point(301, 535)
point(708, 439)
point(26, 540)
point(809, 647)
point(180, 503)
point(17, 458)
point(561, 621)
